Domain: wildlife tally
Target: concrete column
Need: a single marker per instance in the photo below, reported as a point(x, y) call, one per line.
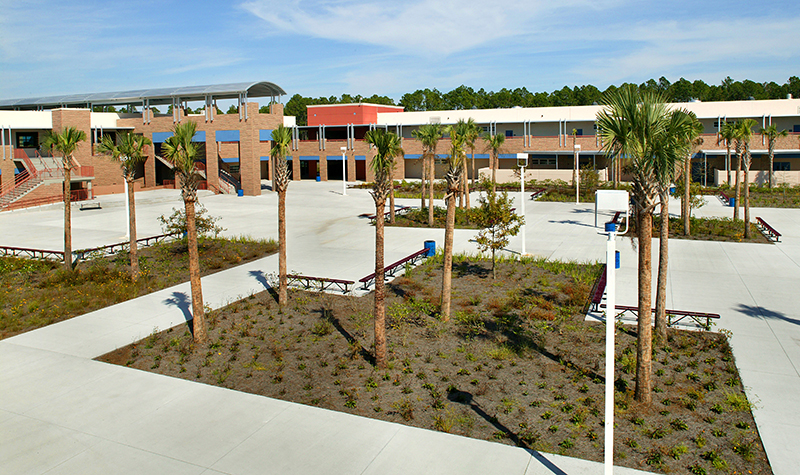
point(323, 167)
point(296, 166)
point(249, 160)
point(212, 161)
point(351, 166)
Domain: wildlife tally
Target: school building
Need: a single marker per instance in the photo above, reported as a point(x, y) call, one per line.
point(234, 148)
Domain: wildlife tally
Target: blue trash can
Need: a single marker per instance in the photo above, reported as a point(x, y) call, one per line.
point(430, 246)
point(240, 192)
point(319, 178)
point(732, 202)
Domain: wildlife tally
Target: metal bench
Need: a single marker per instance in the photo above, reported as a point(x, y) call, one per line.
point(392, 268)
point(599, 290)
point(537, 193)
point(702, 319)
point(768, 231)
point(94, 204)
point(725, 198)
point(320, 283)
point(400, 210)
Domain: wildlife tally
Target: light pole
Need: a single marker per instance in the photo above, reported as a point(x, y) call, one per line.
point(522, 163)
point(577, 174)
point(344, 170)
point(615, 200)
point(611, 310)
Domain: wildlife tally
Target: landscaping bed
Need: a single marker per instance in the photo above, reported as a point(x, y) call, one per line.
point(710, 229)
point(780, 196)
point(36, 293)
point(516, 364)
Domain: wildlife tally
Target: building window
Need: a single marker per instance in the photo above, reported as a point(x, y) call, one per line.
point(509, 133)
point(27, 140)
point(781, 166)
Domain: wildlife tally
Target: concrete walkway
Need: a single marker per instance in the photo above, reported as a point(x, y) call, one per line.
point(61, 412)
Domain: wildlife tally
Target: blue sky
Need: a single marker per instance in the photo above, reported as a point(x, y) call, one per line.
point(326, 47)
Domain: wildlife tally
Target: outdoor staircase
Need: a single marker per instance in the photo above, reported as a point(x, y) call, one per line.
point(18, 192)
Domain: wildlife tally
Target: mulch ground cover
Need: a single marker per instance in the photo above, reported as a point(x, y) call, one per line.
point(35, 293)
point(710, 229)
point(763, 197)
point(516, 364)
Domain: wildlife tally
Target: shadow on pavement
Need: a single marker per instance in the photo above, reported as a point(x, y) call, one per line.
point(261, 278)
point(184, 303)
point(571, 221)
point(755, 311)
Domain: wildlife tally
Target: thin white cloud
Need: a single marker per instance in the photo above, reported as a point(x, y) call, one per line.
point(421, 27)
point(733, 47)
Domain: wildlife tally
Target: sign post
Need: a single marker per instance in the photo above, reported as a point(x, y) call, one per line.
point(522, 163)
point(613, 200)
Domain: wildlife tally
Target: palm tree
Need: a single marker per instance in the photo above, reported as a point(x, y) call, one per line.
point(471, 133)
point(494, 143)
point(727, 133)
point(686, 208)
point(182, 152)
point(682, 129)
point(281, 140)
point(739, 150)
point(429, 135)
point(130, 154)
point(744, 134)
point(387, 147)
point(637, 125)
point(66, 142)
point(453, 177)
point(771, 131)
point(474, 133)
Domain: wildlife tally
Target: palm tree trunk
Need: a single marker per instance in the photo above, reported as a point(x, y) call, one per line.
point(431, 179)
point(728, 161)
point(738, 188)
point(283, 284)
point(422, 185)
point(494, 173)
point(771, 159)
point(380, 288)
point(447, 269)
point(67, 219)
point(473, 168)
point(643, 392)
point(663, 256)
point(687, 196)
point(198, 312)
point(746, 196)
point(132, 232)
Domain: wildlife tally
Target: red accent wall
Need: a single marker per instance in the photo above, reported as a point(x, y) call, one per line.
point(343, 114)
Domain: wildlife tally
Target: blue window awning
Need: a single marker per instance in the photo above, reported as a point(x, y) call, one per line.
point(161, 137)
point(227, 136)
point(264, 135)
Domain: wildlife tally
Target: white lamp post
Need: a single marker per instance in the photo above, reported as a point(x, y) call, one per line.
point(577, 174)
point(344, 170)
point(616, 200)
point(522, 163)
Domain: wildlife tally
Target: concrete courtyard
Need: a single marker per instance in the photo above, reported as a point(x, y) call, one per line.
point(62, 412)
